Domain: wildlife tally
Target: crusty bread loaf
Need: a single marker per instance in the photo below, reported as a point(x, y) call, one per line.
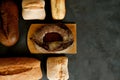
point(58, 9)
point(20, 69)
point(57, 68)
point(33, 9)
point(9, 32)
point(36, 49)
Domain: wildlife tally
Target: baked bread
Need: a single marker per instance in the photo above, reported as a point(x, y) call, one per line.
point(20, 69)
point(33, 9)
point(9, 32)
point(52, 38)
point(58, 9)
point(57, 68)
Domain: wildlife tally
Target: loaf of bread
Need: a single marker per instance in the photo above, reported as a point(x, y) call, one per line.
point(52, 38)
point(20, 69)
point(9, 32)
point(58, 9)
point(33, 9)
point(57, 68)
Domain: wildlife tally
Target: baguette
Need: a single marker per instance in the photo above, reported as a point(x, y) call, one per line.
point(9, 32)
point(57, 68)
point(20, 69)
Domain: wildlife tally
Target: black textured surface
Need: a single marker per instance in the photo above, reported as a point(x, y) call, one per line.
point(98, 30)
point(98, 36)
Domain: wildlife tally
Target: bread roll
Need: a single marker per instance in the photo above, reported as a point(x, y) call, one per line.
point(20, 69)
point(57, 68)
point(58, 9)
point(33, 9)
point(9, 33)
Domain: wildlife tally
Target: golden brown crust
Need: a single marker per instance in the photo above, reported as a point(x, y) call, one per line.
point(9, 23)
point(58, 9)
point(20, 68)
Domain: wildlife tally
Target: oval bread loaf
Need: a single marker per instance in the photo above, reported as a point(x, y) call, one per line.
point(8, 23)
point(20, 68)
point(58, 9)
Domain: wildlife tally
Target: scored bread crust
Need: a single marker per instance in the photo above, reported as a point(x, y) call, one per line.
point(33, 9)
point(57, 68)
point(9, 32)
point(20, 69)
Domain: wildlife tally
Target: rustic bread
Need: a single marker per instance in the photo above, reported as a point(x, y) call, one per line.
point(33, 9)
point(9, 32)
point(37, 48)
point(20, 69)
point(58, 9)
point(57, 68)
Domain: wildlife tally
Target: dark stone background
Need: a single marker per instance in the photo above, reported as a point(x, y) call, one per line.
point(98, 28)
point(98, 39)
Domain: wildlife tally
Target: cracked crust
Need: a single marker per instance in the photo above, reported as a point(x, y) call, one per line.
point(33, 9)
point(20, 68)
point(57, 68)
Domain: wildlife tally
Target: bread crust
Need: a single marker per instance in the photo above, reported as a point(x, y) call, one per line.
point(33, 9)
point(58, 9)
point(57, 68)
point(9, 32)
point(34, 48)
point(20, 69)
point(57, 45)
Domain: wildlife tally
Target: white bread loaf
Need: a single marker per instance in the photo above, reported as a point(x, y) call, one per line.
point(57, 68)
point(20, 69)
point(33, 9)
